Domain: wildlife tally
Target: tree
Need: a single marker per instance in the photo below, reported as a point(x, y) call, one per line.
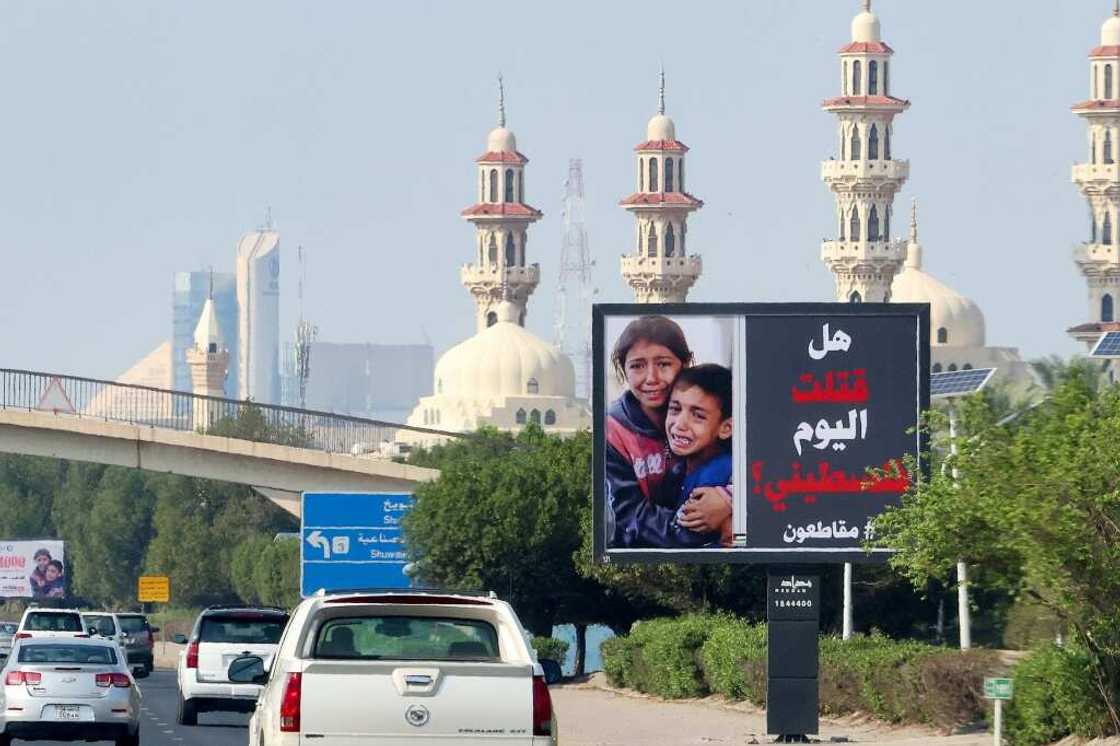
point(254, 423)
point(1036, 511)
point(505, 515)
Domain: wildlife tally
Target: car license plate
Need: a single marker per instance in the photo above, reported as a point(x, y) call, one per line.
point(68, 712)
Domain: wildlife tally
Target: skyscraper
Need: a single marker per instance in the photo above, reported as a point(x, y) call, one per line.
point(188, 297)
point(258, 301)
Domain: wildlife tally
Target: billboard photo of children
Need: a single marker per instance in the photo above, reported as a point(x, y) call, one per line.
point(668, 431)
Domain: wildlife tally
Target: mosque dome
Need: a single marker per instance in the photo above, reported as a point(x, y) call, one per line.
point(1110, 32)
point(961, 318)
point(501, 140)
point(504, 360)
point(661, 127)
point(865, 26)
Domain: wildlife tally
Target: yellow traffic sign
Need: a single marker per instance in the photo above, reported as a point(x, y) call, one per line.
point(154, 589)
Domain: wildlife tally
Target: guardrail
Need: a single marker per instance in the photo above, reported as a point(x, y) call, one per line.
point(135, 404)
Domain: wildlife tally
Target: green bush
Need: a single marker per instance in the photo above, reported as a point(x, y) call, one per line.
point(896, 681)
point(550, 648)
point(734, 659)
point(1054, 697)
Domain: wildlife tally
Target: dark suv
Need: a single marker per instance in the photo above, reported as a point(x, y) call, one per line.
point(137, 637)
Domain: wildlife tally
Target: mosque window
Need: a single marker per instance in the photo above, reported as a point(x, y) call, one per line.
point(492, 250)
point(853, 225)
point(550, 417)
point(942, 336)
point(1096, 71)
point(532, 387)
point(680, 174)
point(482, 186)
point(873, 78)
point(670, 240)
point(1108, 146)
point(937, 367)
point(857, 73)
point(651, 241)
point(1106, 230)
point(886, 236)
point(886, 78)
point(873, 224)
point(535, 417)
point(1093, 147)
point(1106, 307)
point(511, 251)
point(493, 185)
point(491, 319)
point(653, 174)
point(520, 186)
point(524, 247)
point(854, 149)
point(509, 185)
point(521, 416)
point(684, 230)
point(887, 142)
point(966, 366)
point(952, 367)
point(1108, 81)
point(668, 174)
point(855, 297)
point(1092, 227)
point(842, 226)
point(873, 143)
point(845, 77)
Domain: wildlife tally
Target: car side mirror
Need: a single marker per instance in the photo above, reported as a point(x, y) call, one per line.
point(179, 639)
point(153, 630)
point(248, 669)
point(552, 671)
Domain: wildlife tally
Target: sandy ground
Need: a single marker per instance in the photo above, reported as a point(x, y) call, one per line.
point(593, 716)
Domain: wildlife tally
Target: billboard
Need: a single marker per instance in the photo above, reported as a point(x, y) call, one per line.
point(753, 432)
point(32, 569)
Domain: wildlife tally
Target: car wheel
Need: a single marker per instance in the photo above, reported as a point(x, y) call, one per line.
point(188, 714)
point(129, 739)
point(141, 673)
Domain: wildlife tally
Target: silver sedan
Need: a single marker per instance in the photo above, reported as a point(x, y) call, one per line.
point(68, 689)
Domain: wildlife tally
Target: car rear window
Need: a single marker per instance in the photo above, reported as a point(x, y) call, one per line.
point(42, 621)
point(104, 624)
point(247, 629)
point(102, 655)
point(406, 638)
point(132, 624)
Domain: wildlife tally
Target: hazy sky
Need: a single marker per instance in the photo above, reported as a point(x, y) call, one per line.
point(144, 138)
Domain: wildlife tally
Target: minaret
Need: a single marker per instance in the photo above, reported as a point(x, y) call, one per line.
point(660, 269)
point(865, 178)
point(1099, 179)
point(501, 219)
point(208, 360)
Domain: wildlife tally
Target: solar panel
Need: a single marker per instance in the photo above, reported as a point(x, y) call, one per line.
point(1107, 346)
point(958, 382)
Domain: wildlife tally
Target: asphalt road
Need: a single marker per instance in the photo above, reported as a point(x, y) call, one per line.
point(158, 726)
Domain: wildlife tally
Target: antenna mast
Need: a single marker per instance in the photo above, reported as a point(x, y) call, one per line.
point(306, 333)
point(573, 301)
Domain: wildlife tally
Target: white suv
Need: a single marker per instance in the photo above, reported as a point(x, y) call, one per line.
point(37, 622)
point(221, 634)
point(402, 667)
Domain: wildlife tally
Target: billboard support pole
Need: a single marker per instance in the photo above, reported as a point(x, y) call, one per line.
point(793, 623)
point(964, 614)
point(847, 600)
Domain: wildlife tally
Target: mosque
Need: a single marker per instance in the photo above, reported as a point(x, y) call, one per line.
point(506, 377)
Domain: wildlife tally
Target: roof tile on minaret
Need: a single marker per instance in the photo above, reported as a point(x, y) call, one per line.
point(502, 209)
point(662, 198)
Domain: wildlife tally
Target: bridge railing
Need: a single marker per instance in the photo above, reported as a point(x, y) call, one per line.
point(91, 398)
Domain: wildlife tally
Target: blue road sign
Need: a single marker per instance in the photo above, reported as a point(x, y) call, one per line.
point(353, 540)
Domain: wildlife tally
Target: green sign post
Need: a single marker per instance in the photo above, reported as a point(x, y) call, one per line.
point(999, 690)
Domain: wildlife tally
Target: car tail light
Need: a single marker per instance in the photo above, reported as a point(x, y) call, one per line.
point(106, 680)
point(15, 678)
point(542, 708)
point(22, 635)
point(192, 655)
point(289, 705)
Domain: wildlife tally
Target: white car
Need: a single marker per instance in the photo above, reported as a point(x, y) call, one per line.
point(68, 689)
point(221, 634)
point(401, 667)
point(37, 622)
